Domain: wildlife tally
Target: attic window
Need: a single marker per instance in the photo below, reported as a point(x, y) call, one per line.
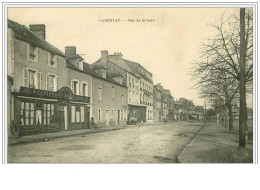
point(81, 65)
point(52, 59)
point(32, 52)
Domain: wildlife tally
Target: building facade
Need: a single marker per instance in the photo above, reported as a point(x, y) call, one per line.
point(40, 97)
point(157, 104)
point(167, 100)
point(109, 107)
point(138, 110)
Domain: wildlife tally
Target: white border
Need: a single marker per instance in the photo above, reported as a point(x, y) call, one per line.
point(149, 176)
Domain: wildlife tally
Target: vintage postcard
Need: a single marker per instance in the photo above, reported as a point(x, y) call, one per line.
point(130, 84)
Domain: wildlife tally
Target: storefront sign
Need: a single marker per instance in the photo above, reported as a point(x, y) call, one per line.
point(64, 94)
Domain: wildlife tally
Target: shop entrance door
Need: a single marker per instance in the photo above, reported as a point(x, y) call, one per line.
point(66, 117)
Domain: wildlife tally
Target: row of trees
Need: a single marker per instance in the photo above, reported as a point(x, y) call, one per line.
point(225, 71)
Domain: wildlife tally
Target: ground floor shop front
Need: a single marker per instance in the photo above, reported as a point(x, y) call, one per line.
point(41, 111)
point(136, 114)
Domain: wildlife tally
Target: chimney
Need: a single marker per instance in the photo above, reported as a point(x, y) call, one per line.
point(117, 56)
point(38, 30)
point(70, 50)
point(104, 57)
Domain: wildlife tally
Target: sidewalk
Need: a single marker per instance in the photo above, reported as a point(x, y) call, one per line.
point(213, 144)
point(50, 136)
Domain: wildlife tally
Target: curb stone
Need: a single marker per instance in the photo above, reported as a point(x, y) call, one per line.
point(177, 158)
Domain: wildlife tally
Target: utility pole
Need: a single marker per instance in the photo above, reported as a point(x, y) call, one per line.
point(242, 80)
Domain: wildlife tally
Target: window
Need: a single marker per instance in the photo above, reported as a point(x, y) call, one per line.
point(27, 113)
point(129, 95)
point(31, 78)
point(113, 92)
point(52, 60)
point(84, 89)
point(39, 80)
point(81, 65)
point(75, 86)
point(129, 81)
point(99, 114)
point(73, 113)
point(32, 52)
point(48, 113)
point(51, 82)
point(133, 82)
point(77, 114)
point(100, 93)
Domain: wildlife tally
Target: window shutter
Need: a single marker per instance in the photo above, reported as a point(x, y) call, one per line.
point(25, 77)
point(56, 84)
point(47, 81)
point(80, 88)
point(72, 86)
point(39, 80)
point(88, 89)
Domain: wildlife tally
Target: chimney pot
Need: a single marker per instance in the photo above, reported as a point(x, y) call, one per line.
point(38, 30)
point(70, 50)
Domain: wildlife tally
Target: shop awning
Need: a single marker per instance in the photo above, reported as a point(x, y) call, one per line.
point(63, 93)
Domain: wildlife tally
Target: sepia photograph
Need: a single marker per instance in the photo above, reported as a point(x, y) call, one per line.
point(130, 85)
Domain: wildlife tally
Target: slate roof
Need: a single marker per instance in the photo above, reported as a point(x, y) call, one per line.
point(75, 56)
point(123, 65)
point(87, 69)
point(23, 33)
point(132, 65)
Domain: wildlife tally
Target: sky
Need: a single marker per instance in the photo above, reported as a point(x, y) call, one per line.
point(166, 43)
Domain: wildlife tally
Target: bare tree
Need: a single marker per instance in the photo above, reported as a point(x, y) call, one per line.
point(225, 53)
point(217, 86)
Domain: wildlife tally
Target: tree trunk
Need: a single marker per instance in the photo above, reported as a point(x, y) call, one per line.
point(242, 79)
point(230, 126)
point(225, 117)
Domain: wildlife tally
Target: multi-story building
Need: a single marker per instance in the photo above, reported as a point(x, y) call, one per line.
point(80, 83)
point(50, 91)
point(166, 103)
point(138, 82)
point(157, 104)
point(183, 109)
point(109, 107)
point(39, 98)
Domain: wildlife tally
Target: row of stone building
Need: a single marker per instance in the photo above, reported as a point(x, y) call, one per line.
point(166, 108)
point(49, 90)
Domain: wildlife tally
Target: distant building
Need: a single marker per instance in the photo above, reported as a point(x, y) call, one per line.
point(199, 111)
point(157, 104)
point(167, 103)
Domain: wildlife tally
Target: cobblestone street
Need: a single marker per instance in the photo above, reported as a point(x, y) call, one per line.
point(158, 143)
